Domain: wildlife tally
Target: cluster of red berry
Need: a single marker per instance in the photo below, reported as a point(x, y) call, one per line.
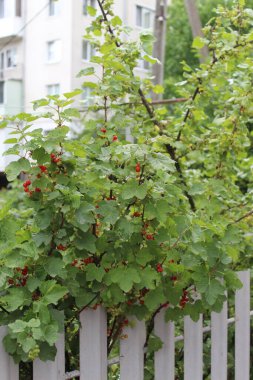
point(43, 168)
point(79, 263)
point(136, 214)
point(144, 232)
point(54, 158)
point(114, 137)
point(184, 299)
point(61, 247)
point(26, 185)
point(21, 280)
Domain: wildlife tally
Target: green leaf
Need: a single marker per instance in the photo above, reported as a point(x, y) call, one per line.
point(132, 189)
point(213, 291)
point(16, 167)
point(47, 352)
point(128, 277)
point(94, 273)
point(54, 266)
point(52, 292)
point(198, 43)
point(72, 94)
point(91, 11)
point(115, 21)
point(71, 112)
point(51, 333)
point(85, 72)
point(86, 241)
point(17, 297)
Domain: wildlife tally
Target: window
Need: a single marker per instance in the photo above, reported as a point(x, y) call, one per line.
point(2, 8)
point(54, 51)
point(1, 92)
point(144, 17)
point(87, 51)
point(53, 89)
point(53, 8)
point(88, 3)
point(18, 8)
point(11, 58)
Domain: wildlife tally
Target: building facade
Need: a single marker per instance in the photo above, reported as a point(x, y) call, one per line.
point(42, 48)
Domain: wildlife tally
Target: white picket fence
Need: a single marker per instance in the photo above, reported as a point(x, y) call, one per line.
point(93, 347)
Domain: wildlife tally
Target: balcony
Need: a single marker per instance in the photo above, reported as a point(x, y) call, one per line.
point(10, 26)
point(12, 73)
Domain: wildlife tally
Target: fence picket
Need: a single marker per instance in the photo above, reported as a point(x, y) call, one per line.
point(52, 370)
point(165, 357)
point(132, 351)
point(193, 349)
point(242, 328)
point(219, 334)
point(9, 370)
point(93, 344)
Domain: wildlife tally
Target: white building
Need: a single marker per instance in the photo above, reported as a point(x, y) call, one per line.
point(42, 49)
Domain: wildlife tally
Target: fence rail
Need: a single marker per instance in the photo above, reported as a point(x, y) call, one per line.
point(93, 347)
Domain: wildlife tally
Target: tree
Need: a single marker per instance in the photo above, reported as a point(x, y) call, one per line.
point(132, 226)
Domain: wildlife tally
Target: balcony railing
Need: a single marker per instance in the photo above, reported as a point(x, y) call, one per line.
point(10, 26)
point(14, 72)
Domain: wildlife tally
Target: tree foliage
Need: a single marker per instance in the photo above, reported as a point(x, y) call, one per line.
point(179, 38)
point(132, 226)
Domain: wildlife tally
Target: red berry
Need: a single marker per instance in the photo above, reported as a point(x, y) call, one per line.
point(138, 168)
point(43, 168)
point(61, 247)
point(136, 214)
point(23, 282)
point(115, 138)
point(88, 260)
point(37, 190)
point(150, 237)
point(11, 281)
point(74, 262)
point(27, 183)
point(103, 130)
point(26, 190)
point(159, 268)
point(56, 160)
point(52, 155)
point(173, 278)
point(25, 271)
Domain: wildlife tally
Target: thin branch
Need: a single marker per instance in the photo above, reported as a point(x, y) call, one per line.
point(241, 218)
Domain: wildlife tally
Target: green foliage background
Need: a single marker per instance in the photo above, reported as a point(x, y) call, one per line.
point(179, 39)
